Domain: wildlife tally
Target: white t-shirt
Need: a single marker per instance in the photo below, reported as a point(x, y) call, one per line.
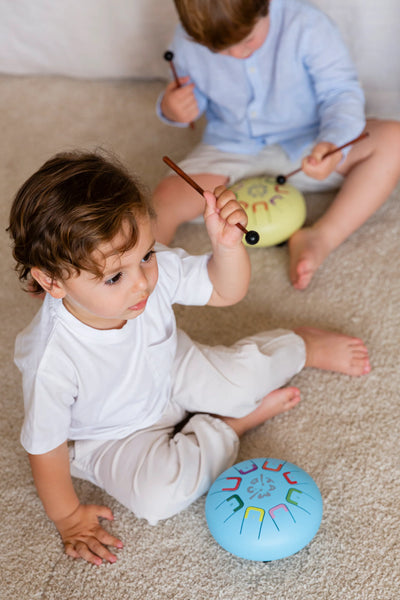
point(85, 383)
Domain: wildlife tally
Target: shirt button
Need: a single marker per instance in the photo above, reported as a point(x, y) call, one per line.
point(253, 113)
point(252, 70)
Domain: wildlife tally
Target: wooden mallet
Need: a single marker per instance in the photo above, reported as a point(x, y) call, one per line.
point(251, 237)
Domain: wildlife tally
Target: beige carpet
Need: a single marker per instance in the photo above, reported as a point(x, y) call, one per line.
point(345, 432)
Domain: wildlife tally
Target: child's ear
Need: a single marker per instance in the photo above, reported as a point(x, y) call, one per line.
point(52, 286)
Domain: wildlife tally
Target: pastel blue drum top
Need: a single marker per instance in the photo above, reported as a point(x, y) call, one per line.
point(264, 509)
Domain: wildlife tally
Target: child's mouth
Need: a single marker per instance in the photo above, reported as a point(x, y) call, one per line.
point(140, 305)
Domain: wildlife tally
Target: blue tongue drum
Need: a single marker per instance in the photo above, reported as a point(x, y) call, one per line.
point(264, 509)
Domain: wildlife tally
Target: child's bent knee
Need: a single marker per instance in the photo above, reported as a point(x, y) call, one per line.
point(157, 501)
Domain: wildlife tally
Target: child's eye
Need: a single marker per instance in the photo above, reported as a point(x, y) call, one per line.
point(114, 280)
point(147, 257)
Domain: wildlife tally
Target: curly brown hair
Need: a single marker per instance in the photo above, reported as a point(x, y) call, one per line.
point(65, 210)
point(219, 24)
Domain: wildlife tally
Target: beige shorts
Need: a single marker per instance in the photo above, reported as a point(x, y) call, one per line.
point(272, 160)
point(157, 472)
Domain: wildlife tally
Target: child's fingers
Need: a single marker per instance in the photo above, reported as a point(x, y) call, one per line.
point(171, 86)
point(233, 213)
point(93, 551)
point(211, 203)
point(188, 108)
point(70, 550)
point(184, 80)
point(229, 208)
point(318, 165)
point(220, 189)
point(107, 539)
point(324, 151)
point(223, 196)
point(321, 149)
point(98, 549)
point(224, 204)
point(80, 549)
point(186, 90)
point(180, 95)
point(84, 537)
point(181, 104)
point(103, 512)
point(220, 199)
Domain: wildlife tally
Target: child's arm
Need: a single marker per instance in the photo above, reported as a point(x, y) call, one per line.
point(179, 103)
point(77, 523)
point(229, 265)
point(338, 95)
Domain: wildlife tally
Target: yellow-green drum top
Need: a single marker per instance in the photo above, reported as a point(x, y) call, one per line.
point(275, 211)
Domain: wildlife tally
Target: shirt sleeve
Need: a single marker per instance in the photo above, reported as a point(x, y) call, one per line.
point(49, 386)
point(48, 398)
point(340, 99)
point(184, 276)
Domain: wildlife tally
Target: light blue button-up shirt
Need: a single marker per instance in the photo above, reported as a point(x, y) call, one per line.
point(299, 87)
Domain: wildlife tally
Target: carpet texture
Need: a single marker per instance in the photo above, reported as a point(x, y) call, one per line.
point(345, 431)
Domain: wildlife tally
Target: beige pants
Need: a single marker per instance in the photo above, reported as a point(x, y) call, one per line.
point(157, 472)
point(271, 160)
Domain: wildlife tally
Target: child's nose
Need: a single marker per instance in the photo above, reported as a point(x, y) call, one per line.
point(140, 282)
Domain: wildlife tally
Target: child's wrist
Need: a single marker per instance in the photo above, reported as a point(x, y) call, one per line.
point(62, 518)
point(229, 257)
point(226, 249)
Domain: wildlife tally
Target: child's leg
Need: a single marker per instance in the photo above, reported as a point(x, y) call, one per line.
point(176, 202)
point(324, 350)
point(275, 403)
point(155, 472)
point(371, 170)
point(231, 381)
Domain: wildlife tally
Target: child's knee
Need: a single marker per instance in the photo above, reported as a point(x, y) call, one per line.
point(395, 132)
point(155, 508)
point(159, 498)
point(178, 471)
point(384, 132)
point(164, 190)
point(387, 143)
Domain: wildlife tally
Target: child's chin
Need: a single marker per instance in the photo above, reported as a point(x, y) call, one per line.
point(133, 313)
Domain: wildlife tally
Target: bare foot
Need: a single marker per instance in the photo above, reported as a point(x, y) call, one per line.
point(308, 250)
point(334, 351)
point(273, 404)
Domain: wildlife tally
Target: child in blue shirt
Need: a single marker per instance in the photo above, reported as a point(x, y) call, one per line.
point(278, 89)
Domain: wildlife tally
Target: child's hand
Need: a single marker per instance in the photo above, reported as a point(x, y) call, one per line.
point(221, 214)
point(179, 103)
point(318, 167)
point(84, 537)
point(229, 266)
